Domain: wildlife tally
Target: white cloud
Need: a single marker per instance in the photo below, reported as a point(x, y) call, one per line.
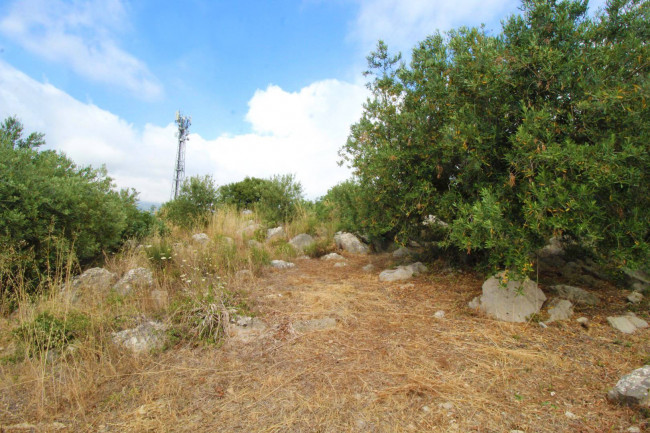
point(81, 35)
point(297, 133)
point(402, 23)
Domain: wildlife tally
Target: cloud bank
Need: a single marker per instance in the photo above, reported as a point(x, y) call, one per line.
point(292, 132)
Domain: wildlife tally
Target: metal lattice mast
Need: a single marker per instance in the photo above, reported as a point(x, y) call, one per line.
point(183, 123)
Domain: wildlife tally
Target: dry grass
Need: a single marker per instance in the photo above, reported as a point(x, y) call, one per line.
point(388, 366)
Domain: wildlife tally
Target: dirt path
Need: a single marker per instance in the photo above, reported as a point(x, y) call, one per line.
point(386, 364)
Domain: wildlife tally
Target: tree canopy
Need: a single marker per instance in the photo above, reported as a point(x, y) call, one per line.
point(513, 138)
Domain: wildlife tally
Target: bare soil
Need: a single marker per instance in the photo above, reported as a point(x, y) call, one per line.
point(388, 365)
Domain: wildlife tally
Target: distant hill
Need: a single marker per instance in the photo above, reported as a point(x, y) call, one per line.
point(147, 205)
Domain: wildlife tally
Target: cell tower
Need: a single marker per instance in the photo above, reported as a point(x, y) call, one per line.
point(183, 133)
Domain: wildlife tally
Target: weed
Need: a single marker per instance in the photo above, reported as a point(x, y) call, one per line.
point(47, 332)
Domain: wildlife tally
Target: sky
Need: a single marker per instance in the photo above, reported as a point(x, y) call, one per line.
point(272, 86)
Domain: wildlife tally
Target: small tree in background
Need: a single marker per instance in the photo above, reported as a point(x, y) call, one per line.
point(196, 200)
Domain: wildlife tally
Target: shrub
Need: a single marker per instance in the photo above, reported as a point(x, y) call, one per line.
point(194, 205)
point(516, 137)
point(53, 213)
point(47, 332)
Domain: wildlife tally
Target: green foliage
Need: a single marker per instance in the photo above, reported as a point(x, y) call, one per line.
point(513, 138)
point(196, 200)
point(48, 332)
point(53, 212)
point(346, 204)
point(276, 199)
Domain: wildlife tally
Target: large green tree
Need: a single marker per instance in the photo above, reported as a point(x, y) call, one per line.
point(512, 138)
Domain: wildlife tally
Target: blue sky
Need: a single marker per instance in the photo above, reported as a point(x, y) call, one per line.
point(272, 86)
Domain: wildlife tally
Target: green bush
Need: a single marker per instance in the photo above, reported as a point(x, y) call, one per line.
point(53, 213)
point(47, 332)
point(194, 205)
point(512, 138)
point(276, 199)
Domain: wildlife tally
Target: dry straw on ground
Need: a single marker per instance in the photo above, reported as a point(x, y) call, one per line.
point(387, 366)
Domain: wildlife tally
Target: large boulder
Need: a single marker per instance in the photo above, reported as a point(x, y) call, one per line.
point(143, 338)
point(417, 268)
point(559, 309)
point(574, 294)
point(275, 233)
point(302, 241)
point(399, 274)
point(138, 277)
point(628, 323)
point(350, 243)
point(637, 279)
point(511, 300)
point(201, 238)
point(401, 253)
point(94, 281)
point(632, 389)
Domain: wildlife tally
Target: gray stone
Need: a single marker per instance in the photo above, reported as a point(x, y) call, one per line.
point(417, 268)
point(575, 294)
point(160, 298)
point(401, 273)
point(349, 242)
point(332, 256)
point(432, 220)
point(637, 275)
point(633, 429)
point(635, 297)
point(138, 277)
point(627, 323)
point(302, 241)
point(250, 229)
point(247, 212)
point(143, 338)
point(252, 243)
point(314, 324)
point(401, 253)
point(632, 389)
point(368, 268)
point(340, 264)
point(281, 264)
point(554, 248)
point(244, 274)
point(228, 241)
point(515, 302)
point(582, 320)
point(275, 233)
point(97, 281)
point(440, 314)
point(201, 238)
point(559, 309)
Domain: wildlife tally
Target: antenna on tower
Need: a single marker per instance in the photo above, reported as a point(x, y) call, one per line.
point(183, 133)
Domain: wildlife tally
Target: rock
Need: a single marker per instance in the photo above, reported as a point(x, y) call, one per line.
point(340, 264)
point(250, 229)
point(559, 309)
point(439, 314)
point(247, 212)
point(632, 389)
point(138, 277)
point(246, 328)
point(554, 248)
point(583, 321)
point(401, 253)
point(575, 294)
point(243, 274)
point(254, 244)
point(281, 264)
point(446, 406)
point(160, 298)
point(314, 324)
point(417, 268)
point(275, 233)
point(570, 415)
point(332, 256)
point(633, 429)
point(635, 297)
point(627, 323)
point(143, 338)
point(201, 238)
point(401, 273)
point(302, 241)
point(368, 268)
point(514, 303)
point(638, 277)
point(94, 280)
point(349, 242)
